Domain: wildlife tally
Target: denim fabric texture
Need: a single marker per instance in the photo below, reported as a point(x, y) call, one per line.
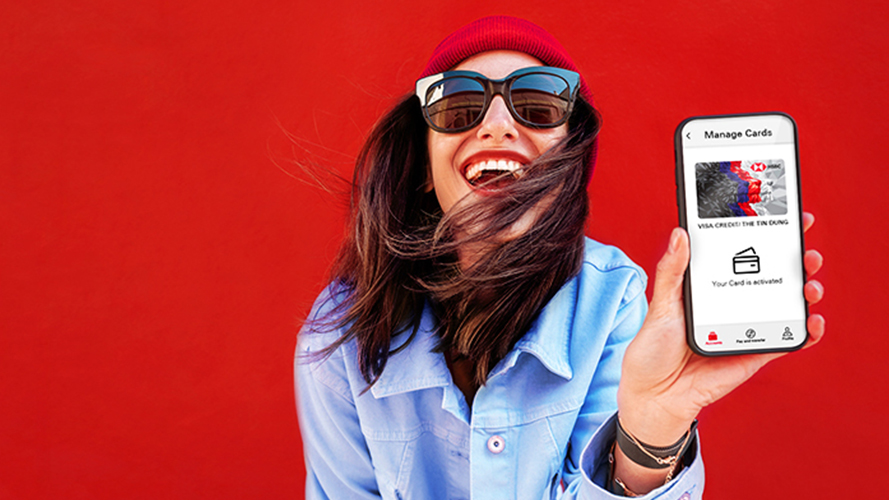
point(540, 428)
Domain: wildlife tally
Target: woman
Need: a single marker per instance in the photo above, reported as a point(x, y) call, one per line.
point(473, 343)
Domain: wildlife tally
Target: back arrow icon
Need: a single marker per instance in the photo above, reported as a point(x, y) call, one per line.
point(688, 135)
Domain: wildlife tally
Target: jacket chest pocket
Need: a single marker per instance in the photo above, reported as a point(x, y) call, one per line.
point(425, 462)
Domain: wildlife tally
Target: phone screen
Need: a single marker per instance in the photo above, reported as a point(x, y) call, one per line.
point(739, 198)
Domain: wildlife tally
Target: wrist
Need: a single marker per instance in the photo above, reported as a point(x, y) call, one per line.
point(639, 468)
point(650, 422)
point(653, 457)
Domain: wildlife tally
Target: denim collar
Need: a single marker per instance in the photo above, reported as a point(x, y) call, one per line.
point(418, 367)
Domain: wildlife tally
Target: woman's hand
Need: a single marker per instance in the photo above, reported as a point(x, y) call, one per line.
point(663, 383)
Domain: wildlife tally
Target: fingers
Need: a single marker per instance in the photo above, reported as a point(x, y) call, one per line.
point(815, 325)
point(812, 260)
point(808, 220)
point(814, 292)
point(670, 271)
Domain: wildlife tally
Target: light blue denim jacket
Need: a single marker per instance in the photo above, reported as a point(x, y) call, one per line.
point(541, 427)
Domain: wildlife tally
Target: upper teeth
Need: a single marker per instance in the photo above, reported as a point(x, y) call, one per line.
point(476, 169)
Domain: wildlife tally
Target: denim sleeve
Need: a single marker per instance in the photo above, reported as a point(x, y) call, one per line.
point(687, 485)
point(586, 466)
point(338, 463)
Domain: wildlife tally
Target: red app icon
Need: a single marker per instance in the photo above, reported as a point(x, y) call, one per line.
point(712, 336)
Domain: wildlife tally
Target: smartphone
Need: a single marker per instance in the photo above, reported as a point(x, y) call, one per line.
point(738, 191)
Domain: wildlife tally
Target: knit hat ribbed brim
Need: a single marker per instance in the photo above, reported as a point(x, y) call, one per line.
point(502, 33)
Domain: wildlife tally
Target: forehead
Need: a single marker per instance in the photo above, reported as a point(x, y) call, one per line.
point(496, 64)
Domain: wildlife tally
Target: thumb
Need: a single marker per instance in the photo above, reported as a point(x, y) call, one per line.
point(670, 271)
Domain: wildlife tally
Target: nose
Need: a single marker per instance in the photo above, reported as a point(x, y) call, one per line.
point(498, 124)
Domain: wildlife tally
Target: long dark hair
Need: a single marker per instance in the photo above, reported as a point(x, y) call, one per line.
point(401, 250)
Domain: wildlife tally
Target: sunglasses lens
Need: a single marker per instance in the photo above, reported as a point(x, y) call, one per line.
point(455, 103)
point(540, 99)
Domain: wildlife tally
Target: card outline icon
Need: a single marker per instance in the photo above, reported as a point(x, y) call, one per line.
point(746, 263)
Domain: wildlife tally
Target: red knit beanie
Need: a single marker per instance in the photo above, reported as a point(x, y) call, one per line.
point(506, 33)
point(502, 33)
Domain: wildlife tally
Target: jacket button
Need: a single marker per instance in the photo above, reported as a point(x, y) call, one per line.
point(496, 444)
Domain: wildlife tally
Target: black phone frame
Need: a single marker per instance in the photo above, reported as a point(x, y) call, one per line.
point(683, 222)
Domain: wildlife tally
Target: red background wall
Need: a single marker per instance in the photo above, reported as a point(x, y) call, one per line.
point(155, 263)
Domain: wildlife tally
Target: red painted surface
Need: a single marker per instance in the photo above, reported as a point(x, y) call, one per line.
point(155, 263)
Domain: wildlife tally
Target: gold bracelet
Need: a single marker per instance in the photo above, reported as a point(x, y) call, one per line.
point(673, 462)
point(627, 492)
point(653, 457)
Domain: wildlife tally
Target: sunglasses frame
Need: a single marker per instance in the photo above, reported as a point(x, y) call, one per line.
point(503, 88)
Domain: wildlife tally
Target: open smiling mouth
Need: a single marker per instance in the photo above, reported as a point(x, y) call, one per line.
point(492, 174)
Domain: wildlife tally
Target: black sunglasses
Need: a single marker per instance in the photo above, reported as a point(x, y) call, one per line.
point(537, 97)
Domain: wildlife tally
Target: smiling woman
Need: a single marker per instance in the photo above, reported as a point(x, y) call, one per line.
point(473, 343)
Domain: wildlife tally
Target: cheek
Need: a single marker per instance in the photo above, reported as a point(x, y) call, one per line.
point(546, 140)
point(437, 158)
point(442, 147)
point(444, 177)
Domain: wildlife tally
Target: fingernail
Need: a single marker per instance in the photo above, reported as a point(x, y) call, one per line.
point(674, 240)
